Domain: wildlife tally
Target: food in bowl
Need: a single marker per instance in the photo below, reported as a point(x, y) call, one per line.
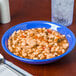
point(39, 43)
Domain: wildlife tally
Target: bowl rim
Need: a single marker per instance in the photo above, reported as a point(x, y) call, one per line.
point(32, 60)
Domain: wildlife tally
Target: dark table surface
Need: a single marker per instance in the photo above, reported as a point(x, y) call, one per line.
point(28, 10)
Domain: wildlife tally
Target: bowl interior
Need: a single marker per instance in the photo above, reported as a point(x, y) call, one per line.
point(39, 24)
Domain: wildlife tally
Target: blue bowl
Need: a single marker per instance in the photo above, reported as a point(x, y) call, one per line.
point(39, 24)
